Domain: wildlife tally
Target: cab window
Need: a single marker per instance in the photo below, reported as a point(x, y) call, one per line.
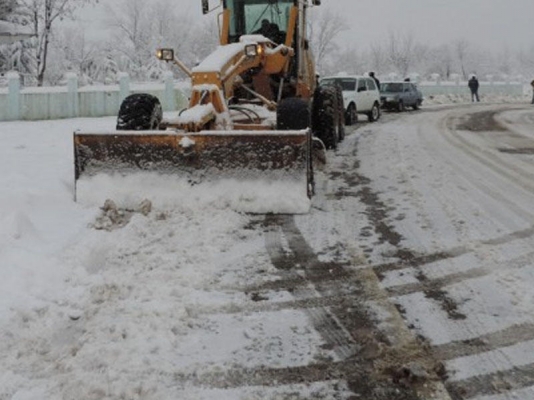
point(266, 17)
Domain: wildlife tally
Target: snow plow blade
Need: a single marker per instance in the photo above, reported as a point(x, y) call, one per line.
point(249, 171)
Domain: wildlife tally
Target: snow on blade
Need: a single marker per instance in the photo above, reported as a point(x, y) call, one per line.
point(259, 196)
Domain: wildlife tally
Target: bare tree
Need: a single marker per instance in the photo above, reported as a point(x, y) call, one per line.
point(377, 58)
point(440, 61)
point(42, 15)
point(461, 49)
point(350, 61)
point(324, 28)
point(132, 38)
point(205, 39)
point(504, 61)
point(526, 60)
point(403, 53)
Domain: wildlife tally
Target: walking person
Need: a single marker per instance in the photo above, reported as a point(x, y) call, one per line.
point(473, 85)
point(532, 84)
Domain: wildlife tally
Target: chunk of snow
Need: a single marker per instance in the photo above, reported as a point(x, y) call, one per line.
point(186, 142)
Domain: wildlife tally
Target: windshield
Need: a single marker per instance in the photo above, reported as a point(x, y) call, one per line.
point(346, 84)
point(259, 17)
point(391, 87)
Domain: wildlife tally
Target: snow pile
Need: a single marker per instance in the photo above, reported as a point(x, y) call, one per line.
point(196, 114)
point(167, 191)
point(133, 311)
point(466, 98)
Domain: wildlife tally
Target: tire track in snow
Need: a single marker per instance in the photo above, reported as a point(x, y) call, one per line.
point(501, 382)
point(485, 343)
point(507, 170)
point(511, 377)
point(301, 254)
point(377, 356)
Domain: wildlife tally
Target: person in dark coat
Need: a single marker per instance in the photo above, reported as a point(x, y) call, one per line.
point(532, 84)
point(270, 31)
point(473, 85)
point(372, 75)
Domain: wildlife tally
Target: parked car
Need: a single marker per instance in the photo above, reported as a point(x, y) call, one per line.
point(360, 96)
point(399, 95)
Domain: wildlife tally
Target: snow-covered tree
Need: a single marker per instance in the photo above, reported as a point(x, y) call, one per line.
point(440, 60)
point(525, 59)
point(7, 7)
point(461, 50)
point(351, 61)
point(377, 58)
point(18, 57)
point(403, 52)
point(43, 16)
point(205, 39)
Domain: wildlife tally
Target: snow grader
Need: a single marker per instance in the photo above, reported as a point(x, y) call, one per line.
point(255, 120)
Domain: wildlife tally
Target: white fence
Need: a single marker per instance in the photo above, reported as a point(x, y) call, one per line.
point(459, 88)
point(70, 101)
point(43, 103)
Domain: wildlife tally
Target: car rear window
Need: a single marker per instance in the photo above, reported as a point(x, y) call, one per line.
point(391, 87)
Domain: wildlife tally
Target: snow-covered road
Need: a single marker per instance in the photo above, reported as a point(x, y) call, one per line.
point(459, 184)
point(411, 277)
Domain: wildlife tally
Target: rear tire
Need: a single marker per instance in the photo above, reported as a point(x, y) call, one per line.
point(325, 116)
point(374, 114)
point(400, 106)
point(293, 114)
point(417, 105)
point(139, 112)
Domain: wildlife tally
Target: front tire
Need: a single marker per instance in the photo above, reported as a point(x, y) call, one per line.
point(139, 112)
point(293, 114)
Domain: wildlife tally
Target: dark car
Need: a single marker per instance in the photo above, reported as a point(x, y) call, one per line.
point(399, 95)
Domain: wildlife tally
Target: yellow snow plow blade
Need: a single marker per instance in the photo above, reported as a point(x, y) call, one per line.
point(250, 171)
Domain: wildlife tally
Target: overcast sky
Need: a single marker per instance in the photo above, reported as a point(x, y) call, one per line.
point(487, 23)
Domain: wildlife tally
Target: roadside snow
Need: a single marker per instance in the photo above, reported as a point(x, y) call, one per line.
point(135, 312)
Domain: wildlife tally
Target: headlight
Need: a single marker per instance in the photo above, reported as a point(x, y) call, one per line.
point(391, 98)
point(165, 54)
point(252, 50)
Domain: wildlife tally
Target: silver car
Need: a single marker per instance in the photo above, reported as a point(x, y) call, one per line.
point(399, 95)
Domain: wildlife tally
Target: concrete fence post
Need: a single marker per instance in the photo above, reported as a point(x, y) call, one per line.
point(170, 97)
point(72, 95)
point(13, 96)
point(124, 86)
